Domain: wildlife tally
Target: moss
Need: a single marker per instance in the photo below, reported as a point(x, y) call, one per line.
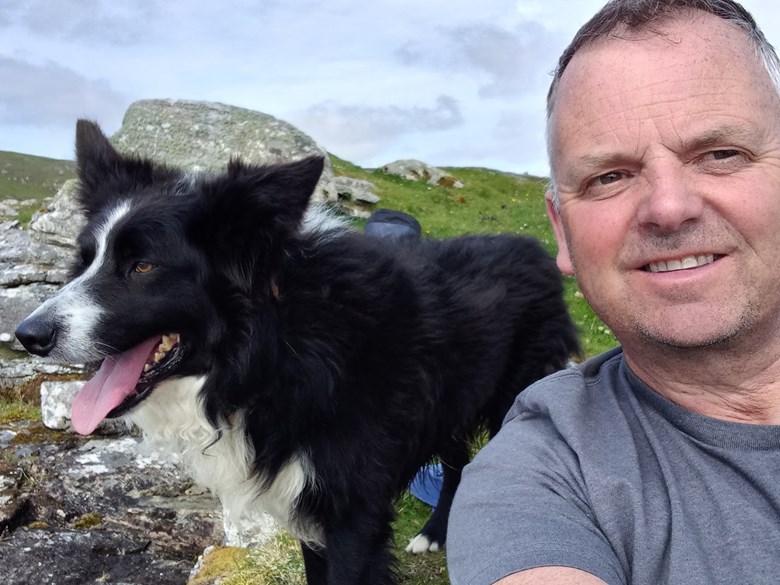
point(219, 563)
point(87, 521)
point(7, 353)
point(37, 434)
point(12, 411)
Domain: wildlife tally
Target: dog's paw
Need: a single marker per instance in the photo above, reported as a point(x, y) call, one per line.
point(420, 544)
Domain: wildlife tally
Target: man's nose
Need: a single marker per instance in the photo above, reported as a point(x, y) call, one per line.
point(671, 197)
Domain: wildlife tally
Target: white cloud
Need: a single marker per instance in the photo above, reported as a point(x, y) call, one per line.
point(369, 129)
point(49, 94)
point(513, 61)
point(363, 78)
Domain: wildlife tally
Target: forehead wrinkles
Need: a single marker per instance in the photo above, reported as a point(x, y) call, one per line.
point(683, 81)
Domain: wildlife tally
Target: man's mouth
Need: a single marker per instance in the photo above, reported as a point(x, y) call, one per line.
point(684, 263)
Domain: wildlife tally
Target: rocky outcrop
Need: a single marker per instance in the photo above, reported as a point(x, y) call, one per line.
point(204, 135)
point(30, 272)
point(415, 170)
point(75, 510)
point(356, 196)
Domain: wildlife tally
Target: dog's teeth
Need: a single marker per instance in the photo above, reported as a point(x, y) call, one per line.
point(168, 341)
point(147, 367)
point(158, 356)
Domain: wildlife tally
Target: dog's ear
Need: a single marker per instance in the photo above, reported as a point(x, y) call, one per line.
point(253, 201)
point(248, 213)
point(278, 193)
point(97, 162)
point(103, 173)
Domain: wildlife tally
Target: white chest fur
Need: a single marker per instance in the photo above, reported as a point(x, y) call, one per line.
point(173, 420)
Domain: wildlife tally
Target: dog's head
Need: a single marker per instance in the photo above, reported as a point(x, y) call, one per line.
point(165, 261)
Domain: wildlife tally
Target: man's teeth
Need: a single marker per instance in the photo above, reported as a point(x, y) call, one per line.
point(681, 264)
point(167, 343)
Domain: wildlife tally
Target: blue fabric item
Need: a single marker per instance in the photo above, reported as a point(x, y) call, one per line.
point(426, 485)
point(389, 223)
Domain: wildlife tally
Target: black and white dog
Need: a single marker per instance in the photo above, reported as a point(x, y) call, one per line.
point(299, 367)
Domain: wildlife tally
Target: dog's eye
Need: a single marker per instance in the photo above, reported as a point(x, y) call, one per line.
point(143, 267)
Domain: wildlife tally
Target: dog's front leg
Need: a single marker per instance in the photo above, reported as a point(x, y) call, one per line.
point(316, 564)
point(360, 554)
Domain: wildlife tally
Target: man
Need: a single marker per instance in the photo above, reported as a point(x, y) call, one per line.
point(658, 462)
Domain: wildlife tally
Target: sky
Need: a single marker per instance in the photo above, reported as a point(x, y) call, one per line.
point(448, 82)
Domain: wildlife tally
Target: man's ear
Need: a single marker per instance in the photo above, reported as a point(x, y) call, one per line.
point(565, 265)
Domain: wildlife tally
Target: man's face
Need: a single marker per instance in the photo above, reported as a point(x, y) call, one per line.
point(666, 154)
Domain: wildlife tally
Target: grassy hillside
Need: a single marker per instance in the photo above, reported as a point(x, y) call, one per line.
point(23, 176)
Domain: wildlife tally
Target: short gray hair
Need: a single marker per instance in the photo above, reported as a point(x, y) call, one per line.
point(621, 17)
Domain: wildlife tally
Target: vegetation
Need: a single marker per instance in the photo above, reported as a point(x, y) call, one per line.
point(13, 409)
point(23, 176)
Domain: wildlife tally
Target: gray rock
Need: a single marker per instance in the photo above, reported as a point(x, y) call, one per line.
point(204, 135)
point(56, 400)
point(29, 273)
point(414, 170)
point(17, 373)
point(60, 223)
point(62, 556)
point(356, 190)
point(77, 510)
point(250, 530)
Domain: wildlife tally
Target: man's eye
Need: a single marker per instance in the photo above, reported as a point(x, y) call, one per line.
point(724, 154)
point(143, 267)
point(608, 178)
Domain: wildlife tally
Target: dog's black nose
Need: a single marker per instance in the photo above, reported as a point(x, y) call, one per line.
point(37, 335)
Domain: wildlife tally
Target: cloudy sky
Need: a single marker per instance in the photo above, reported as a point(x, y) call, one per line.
point(450, 82)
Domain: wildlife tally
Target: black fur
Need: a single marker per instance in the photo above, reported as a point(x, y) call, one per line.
point(369, 357)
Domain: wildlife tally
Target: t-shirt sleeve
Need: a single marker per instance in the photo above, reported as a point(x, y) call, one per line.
point(522, 504)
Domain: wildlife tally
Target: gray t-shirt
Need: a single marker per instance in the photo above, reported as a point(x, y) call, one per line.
point(594, 470)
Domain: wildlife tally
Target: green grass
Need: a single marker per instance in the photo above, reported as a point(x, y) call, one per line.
point(14, 410)
point(490, 202)
point(24, 176)
point(280, 562)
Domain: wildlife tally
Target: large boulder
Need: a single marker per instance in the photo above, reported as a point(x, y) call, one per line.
point(204, 135)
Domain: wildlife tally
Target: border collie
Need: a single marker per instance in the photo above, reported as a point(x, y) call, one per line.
point(300, 367)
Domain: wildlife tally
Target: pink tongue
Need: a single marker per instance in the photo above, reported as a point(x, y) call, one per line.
point(115, 381)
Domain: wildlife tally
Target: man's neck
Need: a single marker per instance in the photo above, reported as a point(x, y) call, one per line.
point(719, 382)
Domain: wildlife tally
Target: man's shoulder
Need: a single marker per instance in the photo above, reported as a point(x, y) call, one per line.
point(585, 385)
